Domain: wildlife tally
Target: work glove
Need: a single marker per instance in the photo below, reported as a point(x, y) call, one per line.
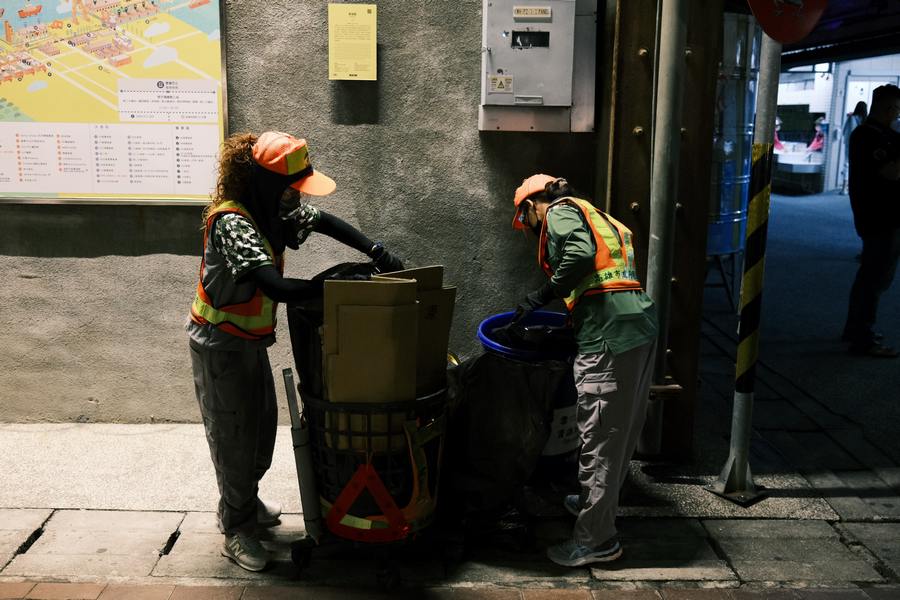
point(384, 261)
point(532, 302)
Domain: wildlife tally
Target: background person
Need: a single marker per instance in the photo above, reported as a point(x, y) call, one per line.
point(875, 200)
point(256, 212)
point(818, 142)
point(589, 259)
point(853, 120)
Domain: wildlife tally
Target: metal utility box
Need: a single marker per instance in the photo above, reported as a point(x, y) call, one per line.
point(538, 63)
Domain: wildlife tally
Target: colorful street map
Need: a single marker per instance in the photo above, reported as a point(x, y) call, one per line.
point(110, 99)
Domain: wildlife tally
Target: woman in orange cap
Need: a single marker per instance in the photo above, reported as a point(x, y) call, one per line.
point(256, 212)
point(589, 259)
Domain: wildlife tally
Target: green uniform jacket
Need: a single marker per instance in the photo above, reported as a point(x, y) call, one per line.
point(610, 322)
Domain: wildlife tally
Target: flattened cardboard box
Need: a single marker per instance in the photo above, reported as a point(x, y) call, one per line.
point(370, 341)
point(436, 304)
point(385, 343)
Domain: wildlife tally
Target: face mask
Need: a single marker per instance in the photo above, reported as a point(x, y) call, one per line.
point(290, 204)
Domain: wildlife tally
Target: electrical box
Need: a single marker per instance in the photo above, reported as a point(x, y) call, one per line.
point(538, 65)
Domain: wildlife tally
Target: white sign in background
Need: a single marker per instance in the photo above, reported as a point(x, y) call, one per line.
point(168, 101)
point(114, 159)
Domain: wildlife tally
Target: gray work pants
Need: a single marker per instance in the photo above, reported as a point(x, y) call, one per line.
point(236, 393)
point(612, 403)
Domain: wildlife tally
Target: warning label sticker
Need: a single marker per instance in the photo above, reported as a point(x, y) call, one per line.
point(501, 84)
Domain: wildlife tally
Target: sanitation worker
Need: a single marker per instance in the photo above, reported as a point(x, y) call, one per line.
point(258, 209)
point(589, 259)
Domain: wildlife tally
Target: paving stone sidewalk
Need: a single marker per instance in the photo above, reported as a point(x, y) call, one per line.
point(91, 591)
point(158, 551)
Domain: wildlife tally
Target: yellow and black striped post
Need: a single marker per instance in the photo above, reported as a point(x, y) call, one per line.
point(736, 481)
point(754, 267)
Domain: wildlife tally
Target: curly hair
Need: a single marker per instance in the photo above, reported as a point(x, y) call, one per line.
point(236, 167)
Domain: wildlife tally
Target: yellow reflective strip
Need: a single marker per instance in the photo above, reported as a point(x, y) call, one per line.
point(247, 323)
point(598, 279)
point(759, 210)
point(297, 160)
point(751, 285)
point(350, 520)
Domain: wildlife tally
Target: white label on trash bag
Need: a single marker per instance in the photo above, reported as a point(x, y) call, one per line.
point(563, 432)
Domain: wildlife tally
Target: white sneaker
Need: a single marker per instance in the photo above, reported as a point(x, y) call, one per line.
point(246, 551)
point(267, 513)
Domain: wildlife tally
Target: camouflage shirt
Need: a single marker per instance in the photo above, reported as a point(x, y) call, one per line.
point(241, 244)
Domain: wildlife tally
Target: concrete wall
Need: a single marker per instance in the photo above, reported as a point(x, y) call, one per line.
point(94, 298)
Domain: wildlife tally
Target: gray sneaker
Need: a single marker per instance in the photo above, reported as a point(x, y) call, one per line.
point(572, 554)
point(572, 503)
point(246, 551)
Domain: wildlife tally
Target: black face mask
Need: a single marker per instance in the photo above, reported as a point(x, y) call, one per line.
point(263, 203)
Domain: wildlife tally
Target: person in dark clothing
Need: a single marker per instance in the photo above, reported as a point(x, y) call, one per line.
point(854, 120)
point(258, 210)
point(875, 200)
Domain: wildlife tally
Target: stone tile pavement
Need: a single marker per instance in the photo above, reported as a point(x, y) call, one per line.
point(88, 591)
point(146, 554)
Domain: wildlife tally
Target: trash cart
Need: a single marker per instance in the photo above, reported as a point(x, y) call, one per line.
point(368, 472)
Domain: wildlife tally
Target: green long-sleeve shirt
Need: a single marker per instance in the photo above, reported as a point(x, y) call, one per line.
point(610, 322)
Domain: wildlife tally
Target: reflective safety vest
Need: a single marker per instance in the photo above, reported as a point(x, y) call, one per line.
point(251, 320)
point(614, 268)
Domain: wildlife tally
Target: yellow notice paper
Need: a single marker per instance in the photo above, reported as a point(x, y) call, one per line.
point(352, 37)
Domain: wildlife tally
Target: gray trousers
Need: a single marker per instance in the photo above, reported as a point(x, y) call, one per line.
point(612, 404)
point(236, 393)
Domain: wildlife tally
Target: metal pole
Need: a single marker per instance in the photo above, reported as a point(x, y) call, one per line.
point(306, 477)
point(736, 481)
point(767, 103)
point(664, 193)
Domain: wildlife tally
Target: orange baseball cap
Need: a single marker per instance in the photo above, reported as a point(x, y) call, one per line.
point(530, 186)
point(284, 154)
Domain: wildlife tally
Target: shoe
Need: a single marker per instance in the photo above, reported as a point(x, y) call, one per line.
point(572, 503)
point(246, 551)
point(267, 513)
point(874, 349)
point(572, 554)
point(877, 337)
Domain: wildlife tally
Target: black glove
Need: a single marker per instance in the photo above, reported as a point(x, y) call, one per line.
point(532, 302)
point(384, 261)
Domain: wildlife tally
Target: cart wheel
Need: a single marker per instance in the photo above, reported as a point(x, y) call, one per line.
point(388, 577)
point(301, 555)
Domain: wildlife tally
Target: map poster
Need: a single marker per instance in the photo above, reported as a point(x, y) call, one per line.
point(110, 100)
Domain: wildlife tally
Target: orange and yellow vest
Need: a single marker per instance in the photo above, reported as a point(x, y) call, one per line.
point(614, 268)
point(251, 320)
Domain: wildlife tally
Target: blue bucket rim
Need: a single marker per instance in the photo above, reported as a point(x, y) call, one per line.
point(546, 317)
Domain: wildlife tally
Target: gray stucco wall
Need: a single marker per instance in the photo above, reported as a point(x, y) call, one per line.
point(94, 298)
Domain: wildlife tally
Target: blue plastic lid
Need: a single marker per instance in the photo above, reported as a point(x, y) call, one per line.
point(538, 317)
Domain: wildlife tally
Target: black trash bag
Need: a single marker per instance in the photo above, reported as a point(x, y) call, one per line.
point(500, 416)
point(546, 339)
point(305, 320)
